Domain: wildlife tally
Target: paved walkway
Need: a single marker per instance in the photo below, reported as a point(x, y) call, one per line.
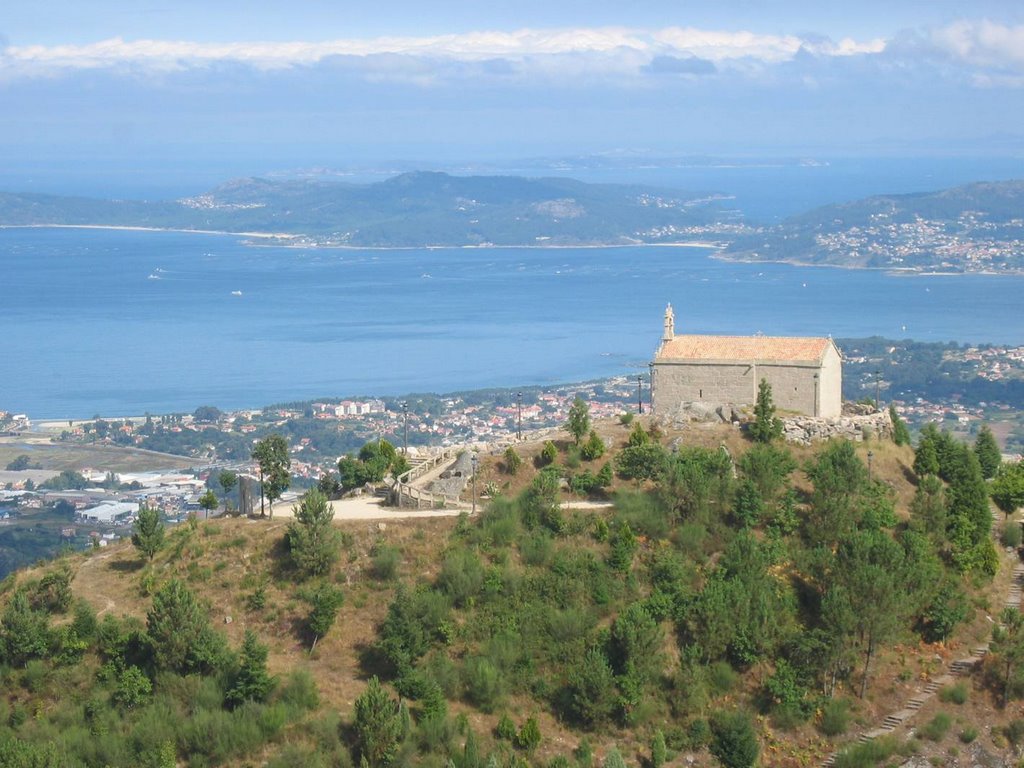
point(369, 508)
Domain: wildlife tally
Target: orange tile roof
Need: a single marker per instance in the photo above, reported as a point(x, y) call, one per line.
point(790, 348)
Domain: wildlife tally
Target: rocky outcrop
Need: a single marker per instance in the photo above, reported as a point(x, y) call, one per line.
point(808, 429)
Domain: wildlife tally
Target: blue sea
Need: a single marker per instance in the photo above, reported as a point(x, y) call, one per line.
point(124, 322)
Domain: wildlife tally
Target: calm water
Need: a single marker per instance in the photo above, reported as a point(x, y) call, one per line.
point(119, 323)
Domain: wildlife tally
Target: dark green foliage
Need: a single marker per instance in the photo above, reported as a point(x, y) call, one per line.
point(85, 623)
point(24, 631)
point(148, 535)
point(936, 728)
point(766, 426)
point(250, 681)
point(733, 740)
point(593, 448)
point(462, 576)
point(209, 502)
point(539, 505)
point(839, 479)
point(928, 507)
point(926, 457)
point(377, 726)
point(578, 421)
point(529, 737)
point(326, 603)
point(613, 759)
point(312, 540)
point(638, 435)
point(591, 689)
point(835, 717)
point(1008, 488)
point(869, 754)
point(747, 507)
point(133, 688)
point(954, 694)
point(623, 547)
point(179, 629)
point(385, 561)
point(413, 623)
point(505, 729)
point(1010, 534)
point(900, 433)
point(659, 752)
point(484, 682)
point(512, 460)
point(53, 592)
point(271, 454)
point(548, 454)
point(767, 466)
point(228, 480)
point(634, 644)
point(987, 450)
point(640, 462)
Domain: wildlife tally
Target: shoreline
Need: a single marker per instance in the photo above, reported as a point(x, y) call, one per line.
point(893, 271)
point(339, 246)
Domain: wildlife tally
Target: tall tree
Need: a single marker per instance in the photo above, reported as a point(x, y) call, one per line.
point(251, 681)
point(148, 531)
point(1008, 488)
point(378, 726)
point(1008, 646)
point(311, 538)
point(326, 603)
point(900, 433)
point(766, 426)
point(271, 453)
point(180, 632)
point(208, 501)
point(578, 422)
point(987, 450)
point(228, 480)
point(24, 631)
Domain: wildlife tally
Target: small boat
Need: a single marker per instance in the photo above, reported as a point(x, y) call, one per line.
point(236, 293)
point(153, 276)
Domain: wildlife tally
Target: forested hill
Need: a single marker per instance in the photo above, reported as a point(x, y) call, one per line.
point(410, 210)
point(972, 228)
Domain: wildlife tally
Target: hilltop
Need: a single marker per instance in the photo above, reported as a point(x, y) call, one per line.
point(972, 228)
point(414, 209)
point(694, 595)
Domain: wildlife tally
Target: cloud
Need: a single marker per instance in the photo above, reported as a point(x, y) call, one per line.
point(676, 65)
point(616, 46)
point(982, 43)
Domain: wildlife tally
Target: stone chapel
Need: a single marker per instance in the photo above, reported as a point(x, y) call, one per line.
point(805, 373)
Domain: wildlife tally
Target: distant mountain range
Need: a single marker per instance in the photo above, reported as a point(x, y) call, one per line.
point(411, 210)
point(973, 228)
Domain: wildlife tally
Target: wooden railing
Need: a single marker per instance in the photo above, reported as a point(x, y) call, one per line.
point(405, 494)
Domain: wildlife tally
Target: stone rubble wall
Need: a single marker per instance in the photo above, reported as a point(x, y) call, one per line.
point(857, 423)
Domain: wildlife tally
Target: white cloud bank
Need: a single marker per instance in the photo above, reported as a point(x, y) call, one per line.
point(985, 51)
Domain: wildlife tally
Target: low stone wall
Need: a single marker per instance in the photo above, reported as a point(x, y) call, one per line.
point(807, 429)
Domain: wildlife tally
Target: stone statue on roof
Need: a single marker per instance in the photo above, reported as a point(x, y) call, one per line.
point(670, 324)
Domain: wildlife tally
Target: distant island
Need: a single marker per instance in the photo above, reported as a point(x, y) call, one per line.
point(973, 228)
point(419, 209)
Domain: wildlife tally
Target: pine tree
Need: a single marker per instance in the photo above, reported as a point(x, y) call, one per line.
point(148, 534)
point(326, 603)
point(900, 433)
point(926, 458)
point(987, 450)
point(251, 682)
point(766, 426)
point(377, 726)
point(312, 540)
point(578, 423)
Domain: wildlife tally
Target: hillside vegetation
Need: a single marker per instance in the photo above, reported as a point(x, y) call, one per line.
point(411, 210)
point(756, 603)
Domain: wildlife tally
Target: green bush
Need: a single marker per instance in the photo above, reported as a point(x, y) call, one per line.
point(868, 754)
point(384, 561)
point(505, 729)
point(528, 737)
point(484, 683)
point(954, 694)
point(722, 677)
point(536, 548)
point(936, 728)
point(969, 734)
point(733, 740)
point(835, 717)
point(1010, 535)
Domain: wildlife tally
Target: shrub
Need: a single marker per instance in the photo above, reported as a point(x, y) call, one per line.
point(505, 729)
point(548, 454)
point(593, 448)
point(937, 727)
point(969, 734)
point(512, 461)
point(955, 694)
point(1010, 535)
point(385, 561)
point(298, 692)
point(625, 419)
point(733, 740)
point(528, 737)
point(484, 683)
point(835, 717)
point(537, 548)
point(868, 754)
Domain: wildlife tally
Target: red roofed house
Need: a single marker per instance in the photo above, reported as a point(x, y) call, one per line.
point(805, 373)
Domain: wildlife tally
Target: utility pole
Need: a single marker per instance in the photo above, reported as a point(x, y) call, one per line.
point(878, 378)
point(639, 393)
point(474, 461)
point(519, 413)
point(405, 417)
point(263, 512)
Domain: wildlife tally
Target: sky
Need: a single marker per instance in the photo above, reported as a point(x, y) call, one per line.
point(237, 83)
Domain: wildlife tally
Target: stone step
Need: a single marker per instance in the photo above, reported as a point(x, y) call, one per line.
point(916, 703)
point(980, 652)
point(962, 666)
point(891, 723)
point(932, 687)
point(829, 761)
